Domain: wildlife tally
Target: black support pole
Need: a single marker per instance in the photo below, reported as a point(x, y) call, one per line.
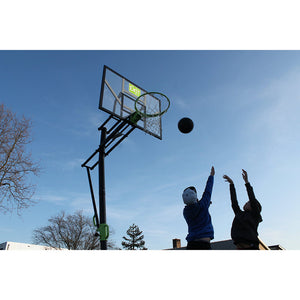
point(107, 138)
point(102, 204)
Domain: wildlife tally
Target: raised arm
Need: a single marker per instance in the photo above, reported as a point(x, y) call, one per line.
point(234, 203)
point(206, 197)
point(253, 201)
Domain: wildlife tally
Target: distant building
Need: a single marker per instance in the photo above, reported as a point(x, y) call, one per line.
point(225, 245)
point(22, 246)
point(276, 247)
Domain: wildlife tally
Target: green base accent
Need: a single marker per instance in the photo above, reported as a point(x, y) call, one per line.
point(103, 231)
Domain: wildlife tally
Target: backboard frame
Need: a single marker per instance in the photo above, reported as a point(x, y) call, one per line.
point(121, 97)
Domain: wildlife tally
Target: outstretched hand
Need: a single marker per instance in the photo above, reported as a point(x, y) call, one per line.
point(228, 179)
point(245, 176)
point(212, 171)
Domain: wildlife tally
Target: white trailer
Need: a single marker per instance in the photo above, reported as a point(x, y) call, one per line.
point(23, 246)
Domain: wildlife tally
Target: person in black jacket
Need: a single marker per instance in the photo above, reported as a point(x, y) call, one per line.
point(245, 223)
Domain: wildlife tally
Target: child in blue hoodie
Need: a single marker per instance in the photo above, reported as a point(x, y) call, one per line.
point(196, 214)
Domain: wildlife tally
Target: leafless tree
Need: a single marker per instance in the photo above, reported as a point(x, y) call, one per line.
point(16, 165)
point(73, 232)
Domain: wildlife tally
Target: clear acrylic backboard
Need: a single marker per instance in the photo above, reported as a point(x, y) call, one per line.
point(118, 96)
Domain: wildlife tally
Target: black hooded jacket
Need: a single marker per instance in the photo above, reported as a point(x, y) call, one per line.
point(245, 223)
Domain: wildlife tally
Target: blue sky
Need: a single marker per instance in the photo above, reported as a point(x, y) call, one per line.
point(244, 105)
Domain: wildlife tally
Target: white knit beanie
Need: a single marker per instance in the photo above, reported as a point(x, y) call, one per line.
point(189, 196)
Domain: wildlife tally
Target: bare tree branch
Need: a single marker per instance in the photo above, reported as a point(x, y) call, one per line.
point(16, 165)
point(73, 232)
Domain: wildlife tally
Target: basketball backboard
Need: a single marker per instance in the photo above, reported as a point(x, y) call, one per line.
point(118, 96)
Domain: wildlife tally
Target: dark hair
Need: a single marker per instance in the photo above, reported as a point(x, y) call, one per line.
point(258, 205)
point(192, 188)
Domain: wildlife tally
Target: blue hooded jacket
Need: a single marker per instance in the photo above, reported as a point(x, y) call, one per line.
point(197, 215)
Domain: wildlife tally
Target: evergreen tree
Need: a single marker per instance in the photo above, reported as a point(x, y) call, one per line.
point(135, 240)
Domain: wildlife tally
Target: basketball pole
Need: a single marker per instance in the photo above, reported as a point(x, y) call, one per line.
point(101, 168)
point(126, 118)
point(107, 138)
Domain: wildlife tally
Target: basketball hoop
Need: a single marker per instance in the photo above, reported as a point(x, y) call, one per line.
point(150, 107)
point(156, 104)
